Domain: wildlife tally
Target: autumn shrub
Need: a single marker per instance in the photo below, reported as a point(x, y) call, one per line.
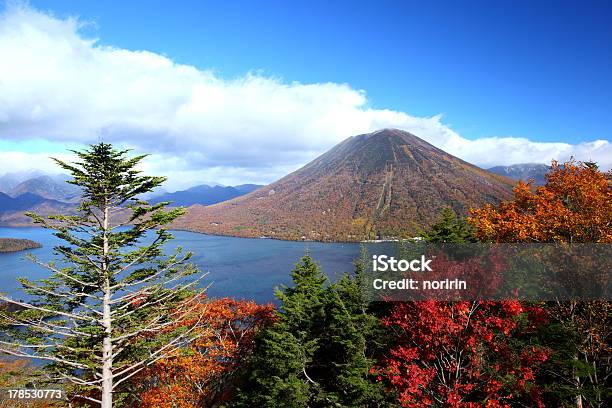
point(463, 354)
point(574, 206)
point(203, 374)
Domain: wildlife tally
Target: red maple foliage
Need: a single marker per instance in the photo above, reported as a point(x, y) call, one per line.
point(462, 354)
point(575, 206)
point(203, 373)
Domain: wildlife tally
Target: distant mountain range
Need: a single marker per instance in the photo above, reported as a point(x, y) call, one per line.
point(12, 209)
point(22, 202)
point(51, 188)
point(524, 171)
point(33, 191)
point(383, 184)
point(205, 194)
point(46, 194)
point(9, 180)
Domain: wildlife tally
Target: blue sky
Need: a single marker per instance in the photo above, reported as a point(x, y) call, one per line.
point(537, 69)
point(258, 89)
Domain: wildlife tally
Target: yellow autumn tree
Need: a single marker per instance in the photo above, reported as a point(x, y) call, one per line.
point(574, 206)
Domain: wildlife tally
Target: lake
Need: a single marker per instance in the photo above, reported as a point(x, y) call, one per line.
point(242, 268)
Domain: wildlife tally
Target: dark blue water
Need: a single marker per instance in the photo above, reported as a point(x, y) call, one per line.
point(243, 268)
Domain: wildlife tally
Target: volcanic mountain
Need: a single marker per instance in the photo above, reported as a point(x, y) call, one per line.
point(387, 183)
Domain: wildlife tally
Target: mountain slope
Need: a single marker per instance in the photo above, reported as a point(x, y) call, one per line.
point(204, 194)
point(12, 209)
point(8, 181)
point(386, 183)
point(48, 187)
point(524, 171)
point(247, 188)
point(21, 202)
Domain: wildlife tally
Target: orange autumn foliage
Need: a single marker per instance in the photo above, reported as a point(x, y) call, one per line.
point(575, 205)
point(203, 373)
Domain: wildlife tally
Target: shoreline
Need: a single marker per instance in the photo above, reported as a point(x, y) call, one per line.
point(263, 237)
point(10, 245)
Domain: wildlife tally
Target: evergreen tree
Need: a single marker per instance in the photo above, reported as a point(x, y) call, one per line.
point(105, 311)
point(277, 372)
point(449, 229)
point(342, 360)
point(302, 305)
point(316, 353)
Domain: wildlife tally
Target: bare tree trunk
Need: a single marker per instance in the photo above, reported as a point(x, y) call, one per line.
point(577, 379)
point(107, 346)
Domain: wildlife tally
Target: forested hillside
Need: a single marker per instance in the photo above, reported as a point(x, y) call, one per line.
point(388, 183)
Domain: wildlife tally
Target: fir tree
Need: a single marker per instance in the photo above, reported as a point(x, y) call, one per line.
point(97, 318)
point(449, 229)
point(303, 304)
point(342, 359)
point(316, 353)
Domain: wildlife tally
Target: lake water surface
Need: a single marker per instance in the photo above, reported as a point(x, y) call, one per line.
point(243, 268)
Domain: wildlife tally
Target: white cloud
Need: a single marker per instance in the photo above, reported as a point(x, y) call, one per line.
point(14, 161)
point(57, 85)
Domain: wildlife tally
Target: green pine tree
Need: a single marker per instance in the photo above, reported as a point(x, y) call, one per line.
point(277, 373)
point(93, 318)
point(450, 229)
point(316, 354)
point(302, 305)
point(343, 359)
